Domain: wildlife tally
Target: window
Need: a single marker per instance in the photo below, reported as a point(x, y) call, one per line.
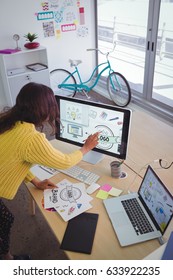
point(143, 32)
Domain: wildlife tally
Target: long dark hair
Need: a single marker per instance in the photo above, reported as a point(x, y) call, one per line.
point(35, 104)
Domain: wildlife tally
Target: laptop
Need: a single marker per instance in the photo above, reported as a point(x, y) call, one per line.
point(153, 203)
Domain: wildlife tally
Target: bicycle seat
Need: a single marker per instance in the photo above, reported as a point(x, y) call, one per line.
point(74, 62)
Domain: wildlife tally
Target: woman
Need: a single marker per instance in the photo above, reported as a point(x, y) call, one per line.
point(21, 146)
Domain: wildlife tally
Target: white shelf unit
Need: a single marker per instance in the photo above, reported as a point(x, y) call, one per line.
point(14, 82)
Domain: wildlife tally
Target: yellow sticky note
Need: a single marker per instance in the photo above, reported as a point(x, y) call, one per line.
point(102, 194)
point(115, 192)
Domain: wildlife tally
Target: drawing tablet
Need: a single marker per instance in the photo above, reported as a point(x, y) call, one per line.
point(80, 232)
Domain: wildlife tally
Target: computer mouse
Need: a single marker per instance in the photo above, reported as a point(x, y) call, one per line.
point(92, 188)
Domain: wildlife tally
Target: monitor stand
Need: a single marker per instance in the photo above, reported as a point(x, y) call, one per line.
point(93, 157)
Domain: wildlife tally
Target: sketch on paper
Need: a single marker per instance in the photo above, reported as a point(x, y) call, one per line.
point(69, 199)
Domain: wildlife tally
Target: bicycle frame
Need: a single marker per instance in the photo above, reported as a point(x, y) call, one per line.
point(118, 87)
point(83, 85)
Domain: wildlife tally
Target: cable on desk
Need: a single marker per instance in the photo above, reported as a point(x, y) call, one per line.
point(163, 164)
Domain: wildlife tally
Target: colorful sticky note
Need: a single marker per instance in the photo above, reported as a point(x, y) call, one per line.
point(115, 192)
point(102, 194)
point(106, 187)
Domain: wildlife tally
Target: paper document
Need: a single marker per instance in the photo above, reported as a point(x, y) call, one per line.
point(69, 199)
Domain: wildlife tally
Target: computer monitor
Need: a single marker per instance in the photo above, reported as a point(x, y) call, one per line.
point(80, 118)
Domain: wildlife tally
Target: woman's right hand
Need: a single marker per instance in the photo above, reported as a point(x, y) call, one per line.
point(90, 143)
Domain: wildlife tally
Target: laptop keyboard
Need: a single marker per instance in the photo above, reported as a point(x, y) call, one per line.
point(137, 217)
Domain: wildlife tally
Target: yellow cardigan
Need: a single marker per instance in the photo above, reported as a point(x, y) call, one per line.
point(20, 148)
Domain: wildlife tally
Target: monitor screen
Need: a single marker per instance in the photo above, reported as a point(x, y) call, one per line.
point(80, 118)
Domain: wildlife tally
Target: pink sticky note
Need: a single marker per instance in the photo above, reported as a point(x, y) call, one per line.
point(106, 188)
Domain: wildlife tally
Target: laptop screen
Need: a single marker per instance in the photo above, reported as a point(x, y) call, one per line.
point(157, 199)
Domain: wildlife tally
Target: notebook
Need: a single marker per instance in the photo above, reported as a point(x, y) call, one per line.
point(80, 232)
point(168, 252)
point(153, 200)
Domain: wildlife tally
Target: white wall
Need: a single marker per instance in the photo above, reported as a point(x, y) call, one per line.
point(20, 17)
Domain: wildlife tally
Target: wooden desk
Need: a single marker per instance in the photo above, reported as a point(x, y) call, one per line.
point(150, 139)
point(106, 245)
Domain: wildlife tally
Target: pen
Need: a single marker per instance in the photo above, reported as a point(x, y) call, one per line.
point(113, 119)
point(46, 170)
point(121, 162)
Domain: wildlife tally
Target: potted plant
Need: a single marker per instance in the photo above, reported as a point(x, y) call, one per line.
point(31, 37)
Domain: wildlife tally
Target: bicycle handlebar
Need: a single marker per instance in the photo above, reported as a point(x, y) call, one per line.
point(97, 50)
point(107, 53)
point(91, 49)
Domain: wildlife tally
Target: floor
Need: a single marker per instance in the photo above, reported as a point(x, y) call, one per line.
point(31, 234)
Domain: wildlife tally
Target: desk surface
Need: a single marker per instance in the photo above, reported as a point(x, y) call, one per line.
point(149, 140)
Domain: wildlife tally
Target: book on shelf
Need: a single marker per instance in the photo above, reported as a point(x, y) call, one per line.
point(9, 51)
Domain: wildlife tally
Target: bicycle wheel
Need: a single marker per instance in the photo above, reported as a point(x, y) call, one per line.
point(57, 77)
point(119, 89)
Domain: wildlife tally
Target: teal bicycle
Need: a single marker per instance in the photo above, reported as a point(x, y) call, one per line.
point(64, 82)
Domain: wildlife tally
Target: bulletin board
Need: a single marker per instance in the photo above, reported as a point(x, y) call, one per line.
point(59, 17)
